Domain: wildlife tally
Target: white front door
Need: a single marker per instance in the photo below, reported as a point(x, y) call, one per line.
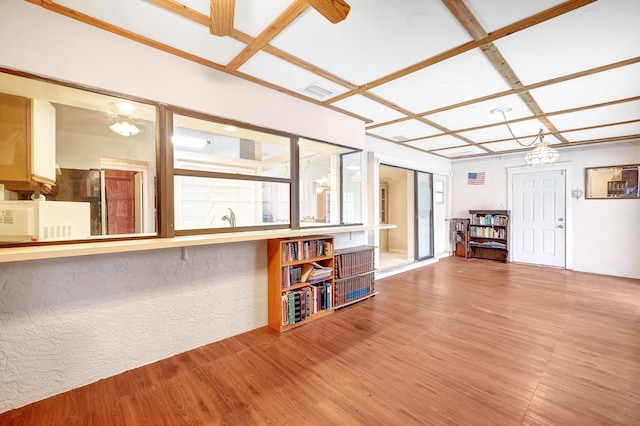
point(538, 218)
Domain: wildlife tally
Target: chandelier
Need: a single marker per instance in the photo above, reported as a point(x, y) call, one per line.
point(125, 128)
point(541, 154)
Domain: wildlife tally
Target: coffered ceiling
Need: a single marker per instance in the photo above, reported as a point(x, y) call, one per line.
point(420, 73)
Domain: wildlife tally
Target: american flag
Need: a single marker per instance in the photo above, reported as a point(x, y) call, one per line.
point(476, 178)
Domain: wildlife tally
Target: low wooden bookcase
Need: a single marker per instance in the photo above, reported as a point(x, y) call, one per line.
point(300, 281)
point(354, 275)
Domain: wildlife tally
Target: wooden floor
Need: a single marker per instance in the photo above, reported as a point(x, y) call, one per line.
point(470, 342)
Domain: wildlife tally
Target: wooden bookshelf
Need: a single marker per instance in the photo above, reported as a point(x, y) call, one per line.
point(354, 275)
point(615, 188)
point(489, 234)
point(460, 237)
point(294, 298)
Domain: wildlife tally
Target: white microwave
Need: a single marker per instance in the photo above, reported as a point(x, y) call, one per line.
point(22, 221)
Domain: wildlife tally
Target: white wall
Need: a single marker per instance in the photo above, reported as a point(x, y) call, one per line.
point(71, 321)
point(68, 322)
point(604, 233)
point(441, 231)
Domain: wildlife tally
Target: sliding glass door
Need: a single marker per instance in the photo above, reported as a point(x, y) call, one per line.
point(424, 215)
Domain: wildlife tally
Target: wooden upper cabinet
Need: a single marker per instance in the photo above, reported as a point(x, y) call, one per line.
point(15, 138)
point(27, 143)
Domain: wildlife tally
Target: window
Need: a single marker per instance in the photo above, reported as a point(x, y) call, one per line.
point(228, 176)
point(352, 188)
point(330, 184)
point(74, 164)
point(80, 165)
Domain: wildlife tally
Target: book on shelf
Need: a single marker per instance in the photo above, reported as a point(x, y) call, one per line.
point(306, 249)
point(308, 272)
point(300, 304)
point(491, 244)
point(353, 288)
point(489, 219)
point(314, 272)
point(354, 263)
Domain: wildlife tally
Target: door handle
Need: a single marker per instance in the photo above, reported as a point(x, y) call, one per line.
point(560, 226)
point(561, 219)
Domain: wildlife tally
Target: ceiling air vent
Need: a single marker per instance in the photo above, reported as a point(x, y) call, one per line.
point(317, 91)
point(401, 138)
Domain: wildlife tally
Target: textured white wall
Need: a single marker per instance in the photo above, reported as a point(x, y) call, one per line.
point(71, 321)
point(604, 232)
point(68, 322)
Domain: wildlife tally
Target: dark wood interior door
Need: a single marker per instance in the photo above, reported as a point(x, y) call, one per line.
point(120, 189)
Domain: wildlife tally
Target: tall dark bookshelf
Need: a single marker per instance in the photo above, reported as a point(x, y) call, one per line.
point(489, 234)
point(460, 237)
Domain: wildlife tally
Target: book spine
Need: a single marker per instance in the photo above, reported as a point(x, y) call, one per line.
point(292, 308)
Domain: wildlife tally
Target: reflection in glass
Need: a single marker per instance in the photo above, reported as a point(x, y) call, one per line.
point(215, 147)
point(320, 174)
point(424, 212)
point(105, 179)
point(352, 188)
point(613, 182)
point(209, 203)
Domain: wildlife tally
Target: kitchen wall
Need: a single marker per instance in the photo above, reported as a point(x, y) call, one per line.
point(604, 233)
point(68, 322)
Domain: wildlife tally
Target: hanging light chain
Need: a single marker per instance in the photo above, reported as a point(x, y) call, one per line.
point(539, 136)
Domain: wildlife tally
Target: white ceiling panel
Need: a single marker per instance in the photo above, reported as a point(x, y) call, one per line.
point(461, 78)
point(479, 114)
point(274, 70)
point(185, 35)
point(593, 117)
point(202, 6)
point(568, 43)
point(253, 16)
point(365, 107)
point(398, 33)
point(496, 14)
point(461, 151)
point(603, 132)
point(408, 129)
point(524, 130)
point(380, 40)
point(437, 142)
point(513, 145)
point(618, 83)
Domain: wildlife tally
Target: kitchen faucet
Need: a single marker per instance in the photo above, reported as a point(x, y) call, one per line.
point(231, 218)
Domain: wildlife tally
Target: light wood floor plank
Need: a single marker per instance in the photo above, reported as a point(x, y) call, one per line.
point(459, 342)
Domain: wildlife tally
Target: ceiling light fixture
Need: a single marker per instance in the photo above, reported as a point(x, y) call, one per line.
point(125, 108)
point(125, 128)
point(189, 142)
point(541, 154)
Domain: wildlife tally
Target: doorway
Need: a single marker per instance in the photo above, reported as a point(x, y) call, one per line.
point(539, 218)
point(122, 194)
point(405, 201)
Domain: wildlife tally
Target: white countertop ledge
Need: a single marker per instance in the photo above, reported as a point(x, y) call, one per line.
point(16, 254)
